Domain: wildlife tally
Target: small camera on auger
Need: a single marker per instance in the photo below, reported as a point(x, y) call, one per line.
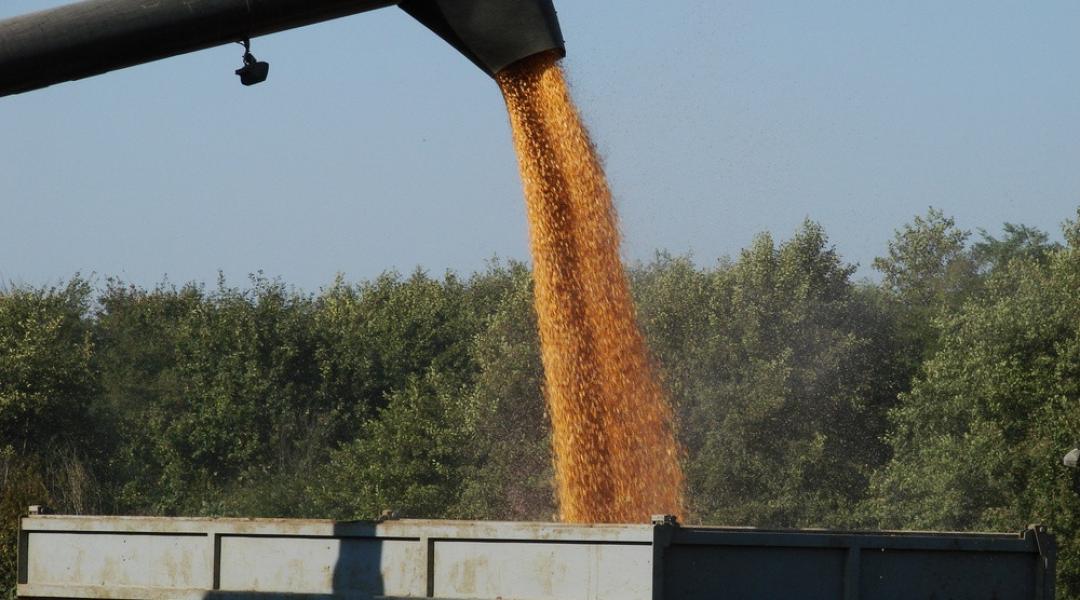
point(254, 71)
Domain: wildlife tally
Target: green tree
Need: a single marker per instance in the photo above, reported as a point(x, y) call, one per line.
point(677, 305)
point(375, 335)
point(47, 432)
point(136, 332)
point(780, 371)
point(928, 266)
point(1018, 242)
point(977, 443)
point(214, 394)
point(510, 470)
point(410, 459)
point(435, 427)
point(21, 484)
point(46, 382)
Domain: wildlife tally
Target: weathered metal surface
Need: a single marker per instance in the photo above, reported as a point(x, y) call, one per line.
point(133, 557)
point(136, 558)
point(567, 571)
point(125, 560)
point(813, 564)
point(322, 565)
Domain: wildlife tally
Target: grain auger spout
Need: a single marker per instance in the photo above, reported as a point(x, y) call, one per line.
point(96, 36)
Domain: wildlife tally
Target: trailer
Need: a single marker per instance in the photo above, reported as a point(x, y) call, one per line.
point(137, 558)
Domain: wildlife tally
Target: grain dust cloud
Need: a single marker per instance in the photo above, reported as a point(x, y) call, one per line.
point(616, 456)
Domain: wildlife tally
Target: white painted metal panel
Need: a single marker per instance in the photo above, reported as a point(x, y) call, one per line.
point(105, 559)
point(323, 565)
point(530, 570)
point(231, 559)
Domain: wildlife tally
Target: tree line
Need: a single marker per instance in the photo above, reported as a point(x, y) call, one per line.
point(941, 397)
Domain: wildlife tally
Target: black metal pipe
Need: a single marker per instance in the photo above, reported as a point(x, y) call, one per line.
point(96, 36)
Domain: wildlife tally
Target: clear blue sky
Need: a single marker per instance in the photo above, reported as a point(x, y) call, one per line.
point(375, 146)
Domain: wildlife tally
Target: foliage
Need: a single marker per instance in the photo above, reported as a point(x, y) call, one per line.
point(509, 474)
point(20, 486)
point(1019, 242)
point(408, 460)
point(46, 383)
point(778, 366)
point(941, 397)
point(928, 263)
point(978, 441)
point(929, 272)
point(47, 386)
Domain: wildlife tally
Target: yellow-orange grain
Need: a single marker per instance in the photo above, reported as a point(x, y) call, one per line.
point(616, 456)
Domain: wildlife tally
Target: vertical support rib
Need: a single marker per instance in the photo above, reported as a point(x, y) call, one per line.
point(851, 573)
point(664, 529)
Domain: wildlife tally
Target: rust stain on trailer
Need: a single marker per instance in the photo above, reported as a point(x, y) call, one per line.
point(463, 574)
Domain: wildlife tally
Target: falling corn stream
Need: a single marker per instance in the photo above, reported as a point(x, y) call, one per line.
point(616, 455)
